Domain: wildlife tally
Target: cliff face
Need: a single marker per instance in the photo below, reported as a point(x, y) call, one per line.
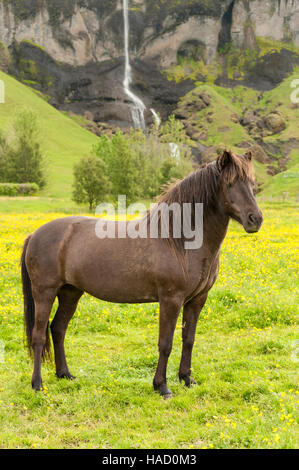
point(276, 19)
point(73, 49)
point(80, 31)
point(77, 32)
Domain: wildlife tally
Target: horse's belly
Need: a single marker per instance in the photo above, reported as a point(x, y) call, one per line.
point(115, 272)
point(119, 290)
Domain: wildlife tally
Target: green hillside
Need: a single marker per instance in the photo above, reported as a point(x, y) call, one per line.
point(63, 140)
point(240, 117)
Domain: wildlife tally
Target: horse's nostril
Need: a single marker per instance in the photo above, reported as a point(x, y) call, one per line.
point(252, 219)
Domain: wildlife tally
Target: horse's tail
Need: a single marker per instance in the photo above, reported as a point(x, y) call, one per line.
point(29, 308)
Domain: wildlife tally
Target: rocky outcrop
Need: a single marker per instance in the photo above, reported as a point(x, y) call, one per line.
point(81, 31)
point(276, 19)
point(260, 126)
point(73, 50)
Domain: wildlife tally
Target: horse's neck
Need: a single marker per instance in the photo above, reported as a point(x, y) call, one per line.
point(215, 227)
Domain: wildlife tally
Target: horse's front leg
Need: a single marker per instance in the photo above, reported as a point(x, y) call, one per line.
point(169, 312)
point(190, 316)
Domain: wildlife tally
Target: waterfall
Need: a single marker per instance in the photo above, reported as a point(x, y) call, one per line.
point(157, 118)
point(137, 107)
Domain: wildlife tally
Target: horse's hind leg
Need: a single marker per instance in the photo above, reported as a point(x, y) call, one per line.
point(43, 301)
point(68, 297)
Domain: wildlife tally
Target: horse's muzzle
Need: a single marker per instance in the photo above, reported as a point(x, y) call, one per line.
point(254, 222)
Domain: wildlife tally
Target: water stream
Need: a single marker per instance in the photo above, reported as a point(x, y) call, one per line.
point(137, 106)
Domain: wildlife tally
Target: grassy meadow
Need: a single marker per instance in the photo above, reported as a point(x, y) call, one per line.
point(245, 357)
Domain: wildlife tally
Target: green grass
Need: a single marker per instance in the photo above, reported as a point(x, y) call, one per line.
point(27, 205)
point(285, 182)
point(222, 130)
point(63, 141)
point(244, 358)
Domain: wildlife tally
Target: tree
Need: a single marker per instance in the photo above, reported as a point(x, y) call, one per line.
point(121, 165)
point(139, 164)
point(91, 185)
point(21, 158)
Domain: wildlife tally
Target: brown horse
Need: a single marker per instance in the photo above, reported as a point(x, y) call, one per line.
point(65, 258)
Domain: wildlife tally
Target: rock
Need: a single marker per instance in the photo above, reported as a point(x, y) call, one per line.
point(209, 154)
point(248, 117)
point(258, 153)
point(203, 135)
point(206, 98)
point(196, 135)
point(260, 123)
point(191, 131)
point(181, 113)
point(275, 123)
point(287, 146)
point(199, 135)
point(235, 118)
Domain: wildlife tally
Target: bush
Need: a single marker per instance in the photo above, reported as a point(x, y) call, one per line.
point(21, 158)
point(91, 184)
point(15, 189)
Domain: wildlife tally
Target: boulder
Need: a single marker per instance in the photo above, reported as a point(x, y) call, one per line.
point(258, 153)
point(275, 123)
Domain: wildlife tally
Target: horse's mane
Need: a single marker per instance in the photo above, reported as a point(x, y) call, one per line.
point(199, 186)
point(202, 186)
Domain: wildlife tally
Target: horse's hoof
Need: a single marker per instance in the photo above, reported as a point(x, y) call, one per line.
point(37, 385)
point(66, 375)
point(189, 381)
point(167, 396)
point(163, 390)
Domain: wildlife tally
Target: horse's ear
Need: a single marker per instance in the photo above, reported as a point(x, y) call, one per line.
point(248, 155)
point(224, 159)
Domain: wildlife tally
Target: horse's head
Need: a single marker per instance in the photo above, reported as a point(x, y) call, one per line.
point(237, 190)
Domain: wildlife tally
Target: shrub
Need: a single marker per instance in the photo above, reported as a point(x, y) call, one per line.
point(15, 189)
